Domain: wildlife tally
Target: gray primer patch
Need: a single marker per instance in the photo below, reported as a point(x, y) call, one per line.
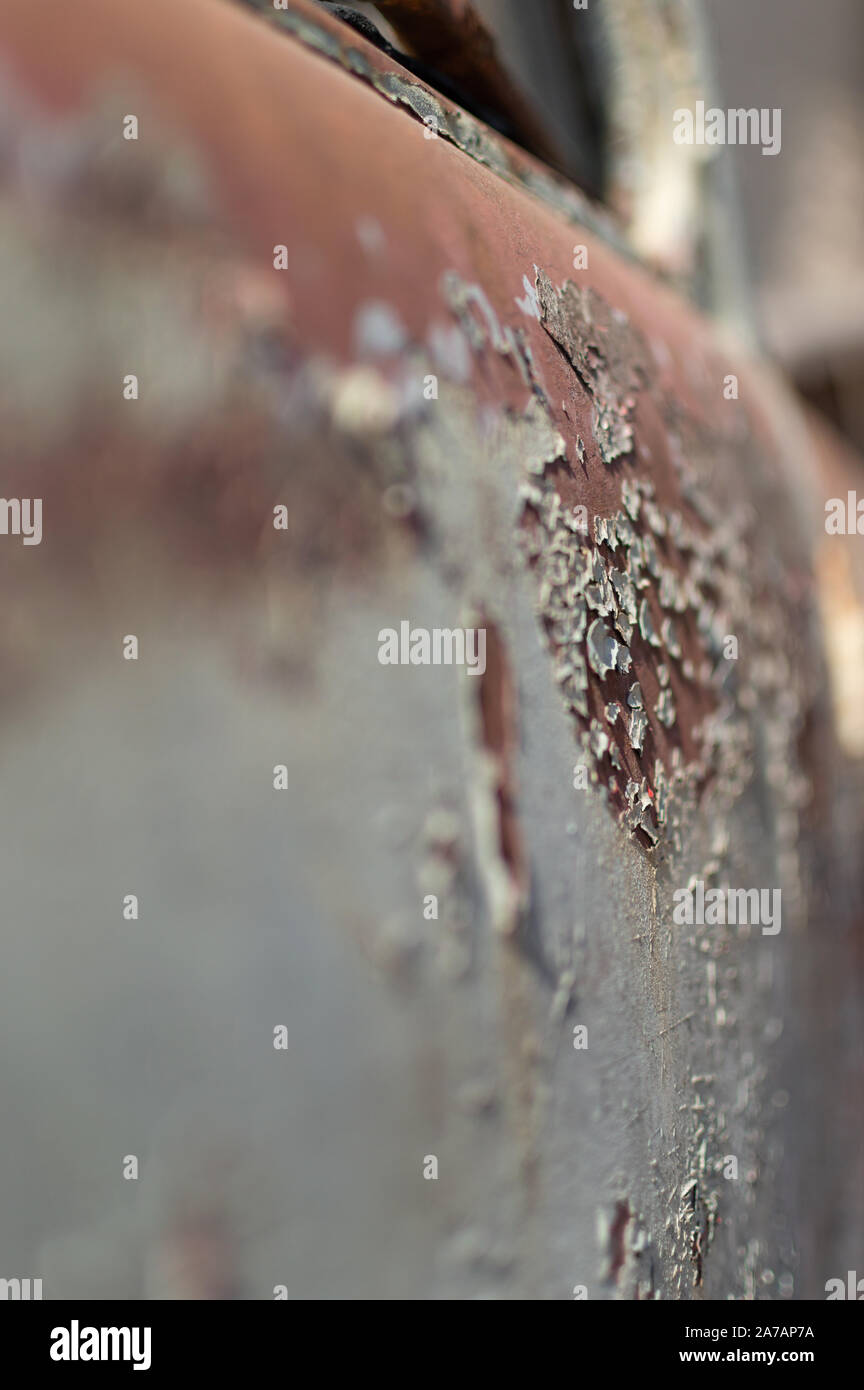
point(378, 330)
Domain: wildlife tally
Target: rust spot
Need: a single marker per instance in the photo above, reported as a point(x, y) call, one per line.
point(498, 722)
point(618, 1239)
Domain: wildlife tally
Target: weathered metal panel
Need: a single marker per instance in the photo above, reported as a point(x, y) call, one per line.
point(449, 366)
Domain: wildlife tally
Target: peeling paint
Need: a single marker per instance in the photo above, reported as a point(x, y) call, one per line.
point(607, 353)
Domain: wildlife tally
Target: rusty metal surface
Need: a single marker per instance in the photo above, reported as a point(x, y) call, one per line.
point(449, 366)
point(452, 36)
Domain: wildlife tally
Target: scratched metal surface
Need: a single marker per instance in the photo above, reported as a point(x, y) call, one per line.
point(407, 258)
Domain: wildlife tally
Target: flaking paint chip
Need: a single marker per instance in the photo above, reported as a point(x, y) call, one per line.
point(602, 648)
point(637, 729)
